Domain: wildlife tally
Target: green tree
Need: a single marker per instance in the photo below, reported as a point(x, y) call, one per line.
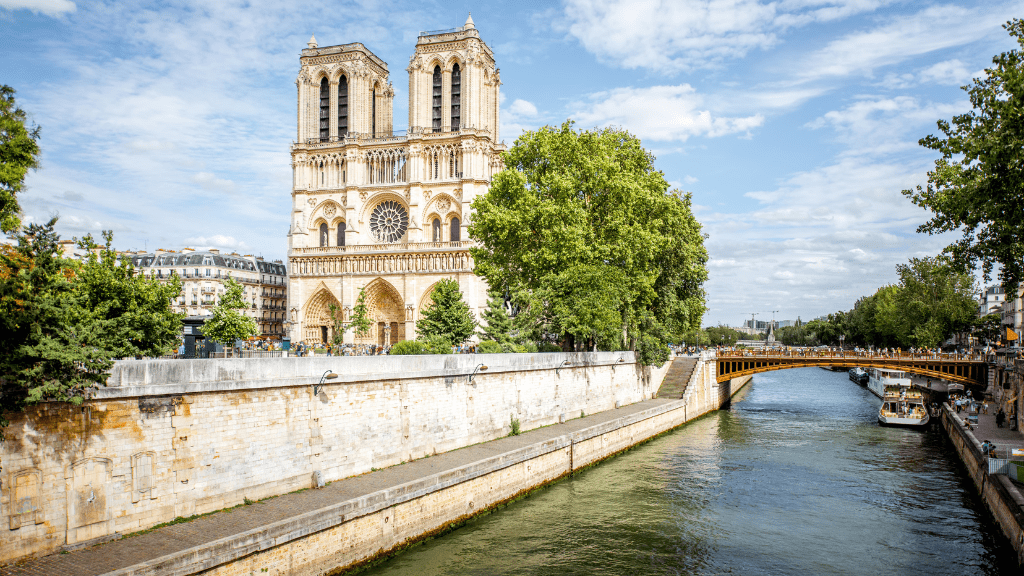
point(228, 324)
point(19, 153)
point(339, 326)
point(64, 321)
point(977, 186)
point(360, 319)
point(988, 328)
point(448, 315)
point(133, 311)
point(499, 325)
point(587, 230)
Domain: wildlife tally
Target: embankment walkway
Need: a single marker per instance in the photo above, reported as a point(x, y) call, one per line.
point(228, 535)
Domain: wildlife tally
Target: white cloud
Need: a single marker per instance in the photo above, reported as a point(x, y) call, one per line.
point(879, 126)
point(819, 241)
point(934, 28)
point(218, 241)
point(687, 34)
point(208, 181)
point(660, 113)
point(522, 108)
point(518, 117)
point(47, 7)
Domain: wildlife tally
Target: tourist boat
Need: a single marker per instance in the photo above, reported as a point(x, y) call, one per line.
point(879, 378)
point(903, 404)
point(859, 375)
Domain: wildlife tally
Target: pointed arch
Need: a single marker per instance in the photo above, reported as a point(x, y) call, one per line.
point(456, 98)
point(342, 105)
point(386, 310)
point(317, 314)
point(436, 98)
point(325, 109)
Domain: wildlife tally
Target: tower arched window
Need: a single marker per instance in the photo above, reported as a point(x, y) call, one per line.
point(373, 112)
point(341, 234)
point(323, 235)
point(342, 107)
point(456, 98)
point(456, 234)
point(437, 99)
point(325, 104)
point(436, 226)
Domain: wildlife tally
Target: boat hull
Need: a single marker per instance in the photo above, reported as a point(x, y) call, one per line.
point(903, 422)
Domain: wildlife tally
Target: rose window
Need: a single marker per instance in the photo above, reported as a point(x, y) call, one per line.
point(389, 221)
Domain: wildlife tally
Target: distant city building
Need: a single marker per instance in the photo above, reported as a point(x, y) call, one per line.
point(203, 273)
point(759, 326)
point(991, 300)
point(1012, 312)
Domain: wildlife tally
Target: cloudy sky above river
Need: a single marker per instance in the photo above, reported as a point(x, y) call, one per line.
point(794, 123)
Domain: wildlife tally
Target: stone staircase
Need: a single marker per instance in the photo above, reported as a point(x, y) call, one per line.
point(674, 384)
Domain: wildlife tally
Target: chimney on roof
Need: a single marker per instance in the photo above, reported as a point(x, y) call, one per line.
point(214, 250)
point(187, 250)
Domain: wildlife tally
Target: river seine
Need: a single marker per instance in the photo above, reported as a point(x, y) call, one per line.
point(795, 478)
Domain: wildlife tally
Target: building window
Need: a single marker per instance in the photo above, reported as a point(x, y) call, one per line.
point(323, 234)
point(456, 231)
point(456, 97)
point(325, 103)
point(373, 111)
point(437, 230)
point(341, 234)
point(207, 272)
point(437, 99)
point(342, 107)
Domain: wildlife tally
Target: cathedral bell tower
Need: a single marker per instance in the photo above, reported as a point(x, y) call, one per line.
point(382, 211)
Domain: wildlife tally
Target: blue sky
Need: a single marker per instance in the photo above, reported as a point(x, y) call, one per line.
point(794, 123)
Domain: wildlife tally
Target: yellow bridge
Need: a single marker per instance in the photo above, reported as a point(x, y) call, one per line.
point(968, 369)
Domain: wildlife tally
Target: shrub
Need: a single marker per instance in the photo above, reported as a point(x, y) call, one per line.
point(528, 348)
point(548, 347)
point(408, 348)
point(515, 426)
point(489, 347)
point(437, 344)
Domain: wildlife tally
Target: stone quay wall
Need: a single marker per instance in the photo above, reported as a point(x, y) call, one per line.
point(1001, 497)
point(173, 438)
point(349, 533)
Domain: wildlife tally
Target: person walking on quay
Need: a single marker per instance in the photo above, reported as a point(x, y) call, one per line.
point(958, 405)
point(1000, 418)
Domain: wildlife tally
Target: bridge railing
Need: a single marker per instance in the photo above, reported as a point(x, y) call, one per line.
point(851, 354)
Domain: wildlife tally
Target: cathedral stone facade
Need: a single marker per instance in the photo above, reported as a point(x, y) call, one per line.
point(381, 209)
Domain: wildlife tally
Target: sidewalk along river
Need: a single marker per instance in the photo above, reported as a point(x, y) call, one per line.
point(796, 478)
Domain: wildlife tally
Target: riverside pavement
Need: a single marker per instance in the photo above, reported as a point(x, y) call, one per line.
point(148, 547)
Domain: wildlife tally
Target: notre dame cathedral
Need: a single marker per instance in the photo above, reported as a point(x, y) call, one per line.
point(381, 209)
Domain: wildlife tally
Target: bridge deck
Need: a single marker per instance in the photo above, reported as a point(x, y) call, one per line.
point(961, 368)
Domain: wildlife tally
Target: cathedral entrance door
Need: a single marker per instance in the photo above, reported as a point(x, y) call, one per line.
point(323, 334)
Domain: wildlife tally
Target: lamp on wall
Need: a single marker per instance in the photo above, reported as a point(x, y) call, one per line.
point(328, 375)
point(479, 368)
point(560, 366)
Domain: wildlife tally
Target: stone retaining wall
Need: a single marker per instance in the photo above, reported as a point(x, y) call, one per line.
point(170, 438)
point(1001, 496)
point(350, 533)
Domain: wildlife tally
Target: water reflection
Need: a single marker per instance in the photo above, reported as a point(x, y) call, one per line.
point(796, 478)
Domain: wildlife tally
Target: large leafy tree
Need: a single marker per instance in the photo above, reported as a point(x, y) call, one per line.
point(64, 321)
point(977, 186)
point(583, 224)
point(228, 324)
point(448, 316)
point(19, 152)
point(360, 318)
